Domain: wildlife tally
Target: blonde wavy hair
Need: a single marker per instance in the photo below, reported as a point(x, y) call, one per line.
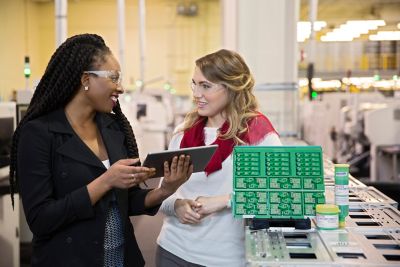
point(228, 68)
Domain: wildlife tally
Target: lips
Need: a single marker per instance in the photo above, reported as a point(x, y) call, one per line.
point(114, 99)
point(201, 104)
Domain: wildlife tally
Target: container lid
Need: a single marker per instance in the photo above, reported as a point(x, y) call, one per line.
point(342, 165)
point(327, 208)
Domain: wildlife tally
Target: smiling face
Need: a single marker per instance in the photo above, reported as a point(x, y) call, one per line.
point(211, 98)
point(104, 84)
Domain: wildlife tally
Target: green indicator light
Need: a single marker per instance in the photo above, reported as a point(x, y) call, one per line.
point(27, 72)
point(314, 95)
point(167, 86)
point(27, 69)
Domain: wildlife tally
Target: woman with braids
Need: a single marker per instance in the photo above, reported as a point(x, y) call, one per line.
point(74, 158)
point(199, 229)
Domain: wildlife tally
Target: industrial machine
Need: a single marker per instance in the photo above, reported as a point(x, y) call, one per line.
point(361, 129)
point(151, 116)
point(320, 120)
point(350, 142)
point(382, 127)
point(9, 218)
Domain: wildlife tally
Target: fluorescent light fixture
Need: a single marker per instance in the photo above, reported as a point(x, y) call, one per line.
point(385, 36)
point(318, 25)
point(386, 84)
point(359, 81)
point(352, 29)
point(304, 29)
point(337, 37)
point(320, 84)
point(369, 23)
point(303, 82)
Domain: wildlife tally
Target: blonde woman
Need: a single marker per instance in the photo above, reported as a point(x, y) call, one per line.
point(199, 229)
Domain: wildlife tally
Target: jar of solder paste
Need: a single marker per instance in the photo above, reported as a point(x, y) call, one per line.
point(327, 216)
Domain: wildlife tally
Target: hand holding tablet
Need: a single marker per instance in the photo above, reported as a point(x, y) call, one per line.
point(199, 156)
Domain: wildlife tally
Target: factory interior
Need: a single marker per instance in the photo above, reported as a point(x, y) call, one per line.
point(327, 76)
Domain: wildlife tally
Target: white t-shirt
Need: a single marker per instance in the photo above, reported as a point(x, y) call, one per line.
point(218, 240)
point(106, 163)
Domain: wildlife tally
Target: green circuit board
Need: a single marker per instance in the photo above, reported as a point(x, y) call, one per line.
point(277, 182)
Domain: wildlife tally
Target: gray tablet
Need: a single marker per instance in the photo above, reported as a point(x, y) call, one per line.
point(199, 156)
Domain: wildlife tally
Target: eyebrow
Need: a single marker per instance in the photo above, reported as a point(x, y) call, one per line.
point(202, 82)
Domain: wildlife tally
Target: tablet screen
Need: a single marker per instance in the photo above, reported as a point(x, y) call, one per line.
point(199, 156)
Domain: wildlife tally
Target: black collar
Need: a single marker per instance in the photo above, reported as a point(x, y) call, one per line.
point(75, 148)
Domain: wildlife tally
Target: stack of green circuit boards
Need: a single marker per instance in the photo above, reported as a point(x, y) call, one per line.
point(277, 182)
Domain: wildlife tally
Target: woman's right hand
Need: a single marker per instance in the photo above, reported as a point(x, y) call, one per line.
point(176, 175)
point(122, 175)
point(185, 211)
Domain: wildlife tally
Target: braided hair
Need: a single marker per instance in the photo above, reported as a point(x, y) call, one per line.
point(59, 84)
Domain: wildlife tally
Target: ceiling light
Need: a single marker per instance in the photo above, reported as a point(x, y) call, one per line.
point(352, 29)
point(385, 36)
point(370, 23)
point(336, 38)
point(304, 29)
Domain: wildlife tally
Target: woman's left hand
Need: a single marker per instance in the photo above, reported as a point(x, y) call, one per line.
point(211, 205)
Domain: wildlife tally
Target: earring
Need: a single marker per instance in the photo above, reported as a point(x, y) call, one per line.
point(86, 88)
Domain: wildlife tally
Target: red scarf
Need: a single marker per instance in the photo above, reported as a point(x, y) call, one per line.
point(258, 127)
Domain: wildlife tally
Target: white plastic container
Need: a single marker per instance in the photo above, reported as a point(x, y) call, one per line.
point(327, 217)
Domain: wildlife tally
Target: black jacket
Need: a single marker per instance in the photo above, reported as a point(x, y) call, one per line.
point(54, 166)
